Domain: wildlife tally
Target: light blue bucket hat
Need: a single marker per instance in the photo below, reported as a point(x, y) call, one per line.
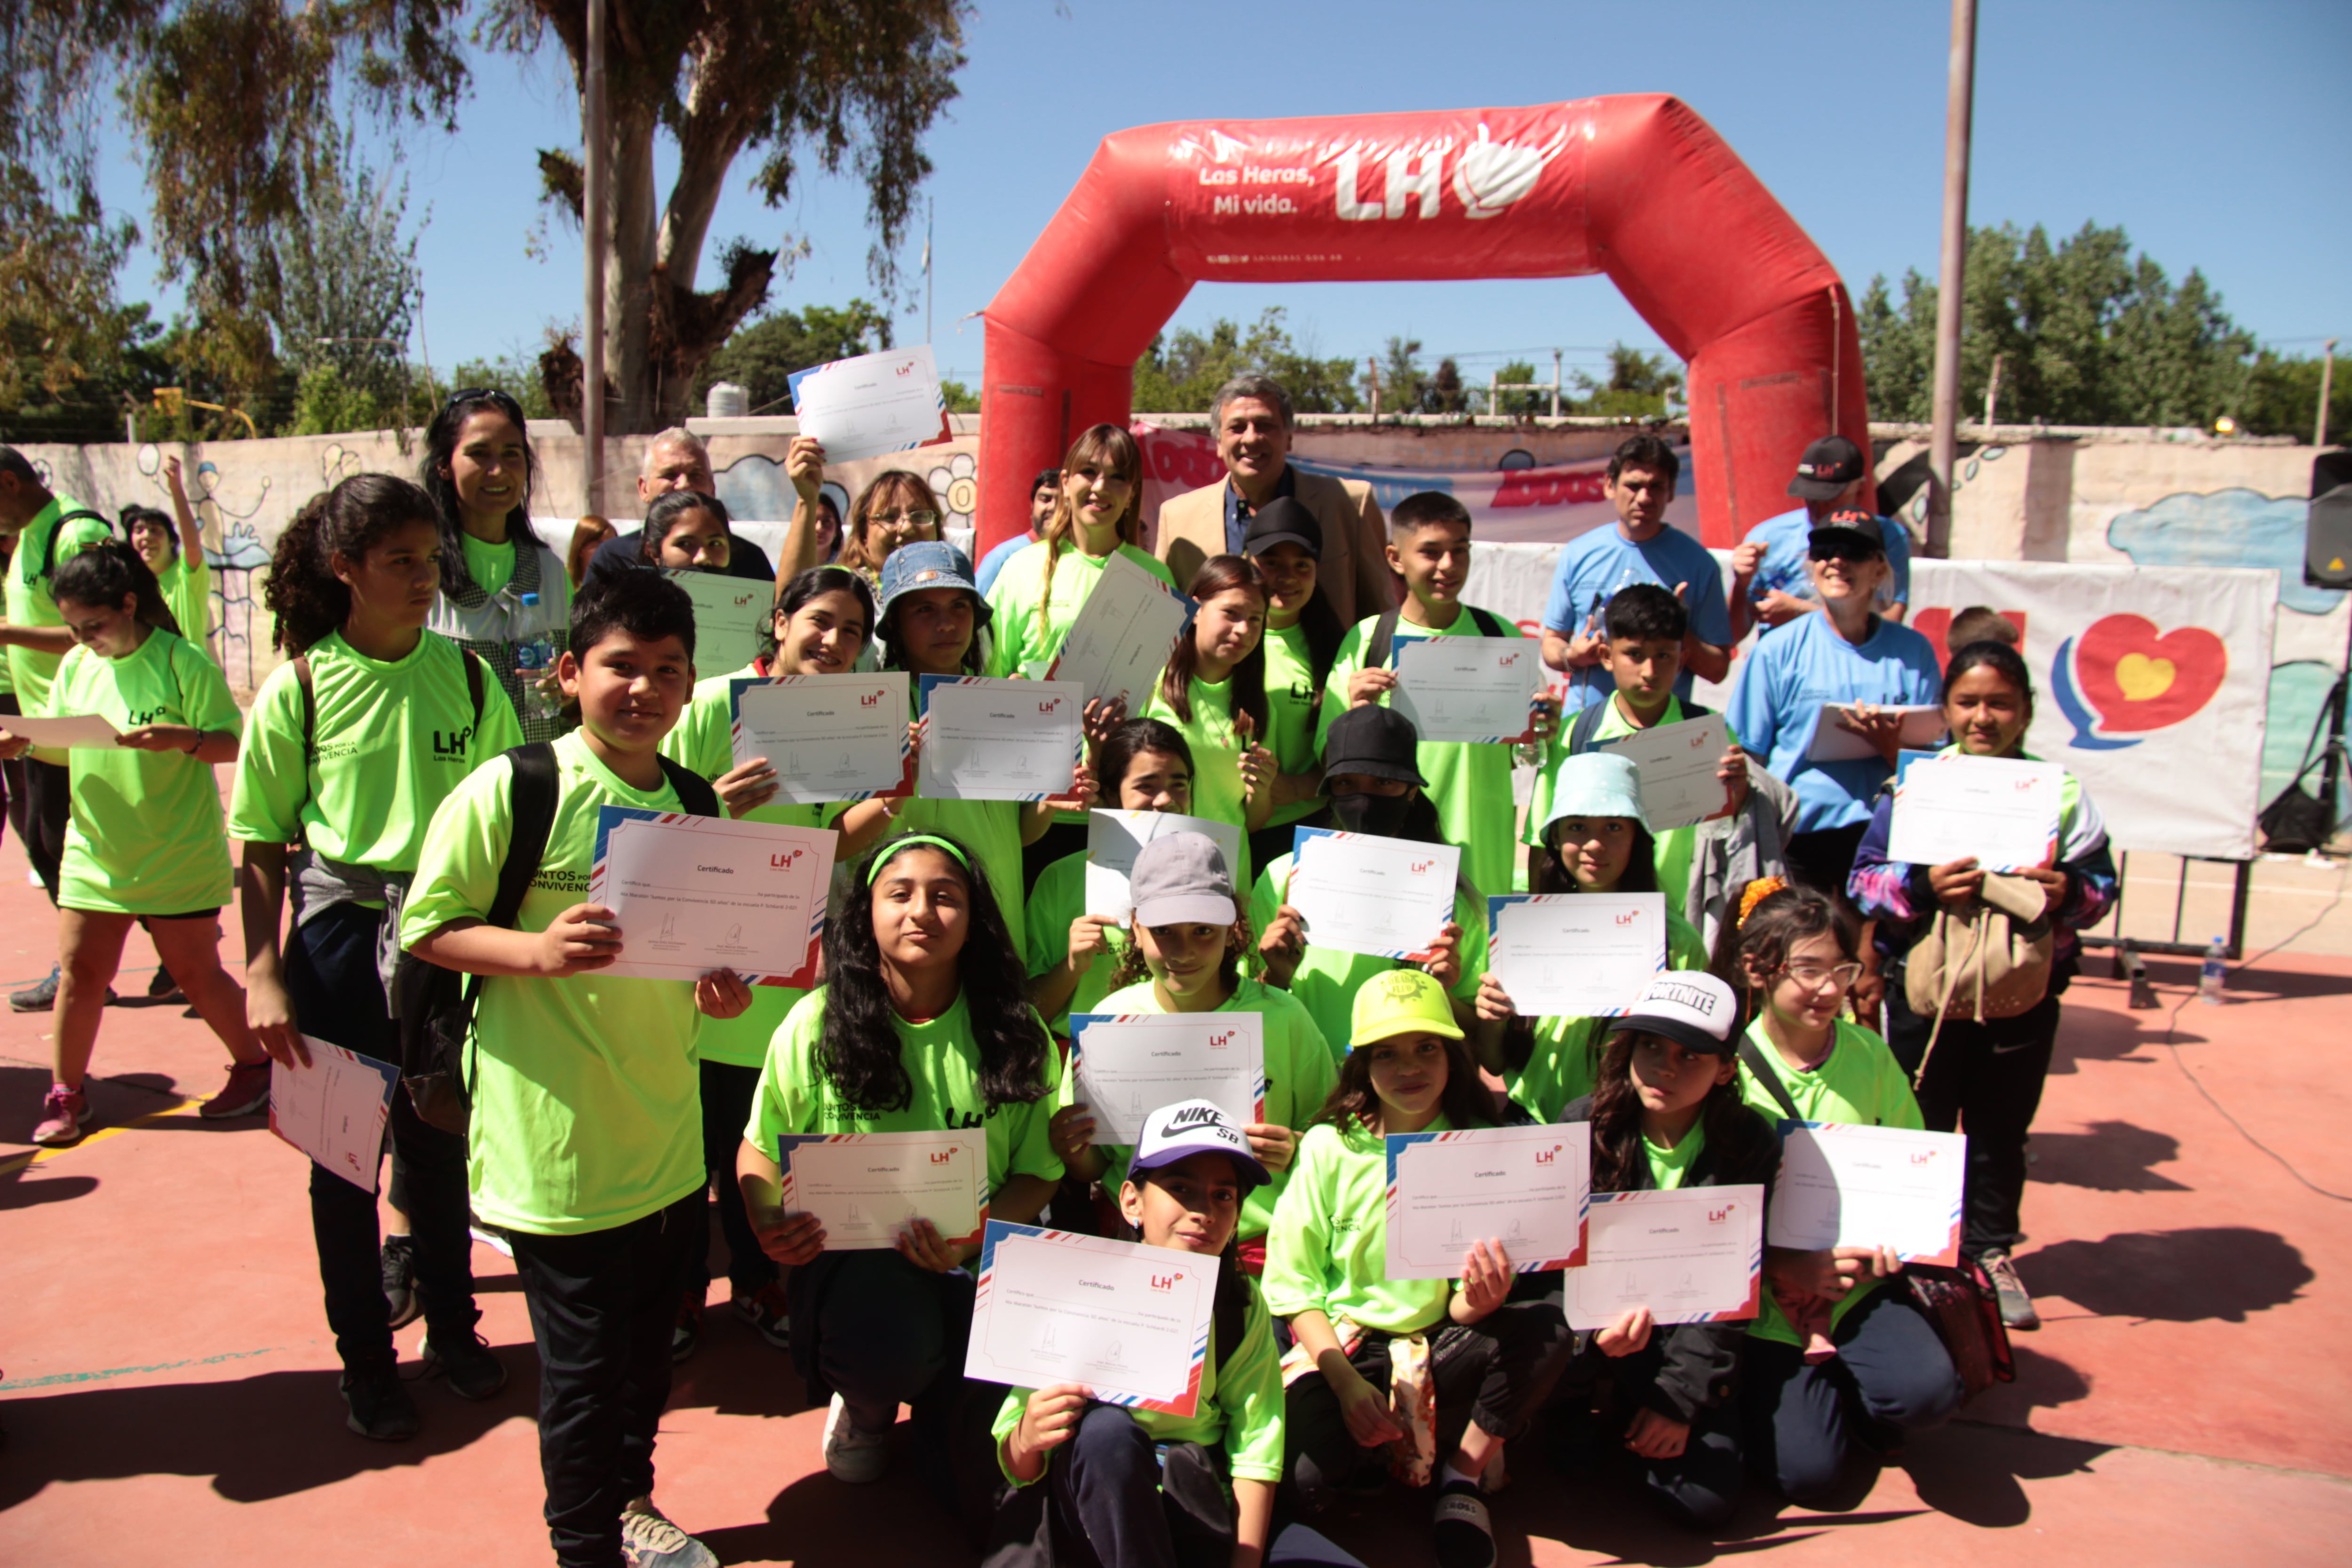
point(1596, 783)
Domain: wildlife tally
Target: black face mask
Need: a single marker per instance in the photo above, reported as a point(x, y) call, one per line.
point(1381, 814)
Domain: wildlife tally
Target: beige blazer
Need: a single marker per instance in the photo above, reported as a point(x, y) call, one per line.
point(1354, 570)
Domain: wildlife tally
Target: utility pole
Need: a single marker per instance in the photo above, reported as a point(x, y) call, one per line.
point(1992, 395)
point(1944, 446)
point(930, 212)
point(2326, 386)
point(1554, 383)
point(595, 195)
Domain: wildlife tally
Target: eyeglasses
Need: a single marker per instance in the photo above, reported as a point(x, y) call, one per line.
point(903, 521)
point(1814, 976)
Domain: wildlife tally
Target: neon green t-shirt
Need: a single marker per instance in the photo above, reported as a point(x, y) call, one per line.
point(1469, 783)
point(587, 1101)
point(1217, 755)
point(1299, 1073)
point(990, 829)
point(1327, 978)
point(1673, 847)
point(942, 1063)
point(187, 584)
point(1859, 1082)
point(1290, 688)
point(1669, 1166)
point(1329, 1247)
point(1055, 904)
point(393, 741)
point(703, 741)
point(1566, 1062)
point(1023, 635)
point(28, 600)
point(1239, 1407)
point(491, 562)
point(146, 835)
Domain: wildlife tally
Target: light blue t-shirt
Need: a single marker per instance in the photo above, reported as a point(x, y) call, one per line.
point(1787, 545)
point(1594, 566)
point(1794, 670)
point(993, 562)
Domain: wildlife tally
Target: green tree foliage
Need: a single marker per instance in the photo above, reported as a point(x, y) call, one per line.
point(514, 372)
point(1516, 404)
point(347, 293)
point(2086, 334)
point(761, 357)
point(1637, 386)
point(1180, 372)
point(1403, 382)
point(2283, 399)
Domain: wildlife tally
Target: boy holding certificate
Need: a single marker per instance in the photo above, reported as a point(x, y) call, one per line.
point(1596, 841)
point(1141, 1485)
point(923, 1025)
point(1667, 1114)
point(1389, 1364)
point(1470, 781)
point(586, 1148)
point(1645, 627)
point(1188, 938)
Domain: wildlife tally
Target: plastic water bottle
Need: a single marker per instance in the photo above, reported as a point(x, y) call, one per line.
point(534, 659)
point(2210, 978)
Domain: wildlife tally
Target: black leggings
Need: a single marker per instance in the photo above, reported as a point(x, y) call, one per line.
point(1984, 1079)
point(727, 1094)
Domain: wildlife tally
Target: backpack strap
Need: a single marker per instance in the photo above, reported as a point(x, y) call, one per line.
point(1229, 1310)
point(1587, 725)
point(1762, 1070)
point(308, 682)
point(1376, 650)
point(49, 545)
point(1490, 623)
point(531, 791)
point(474, 673)
point(694, 791)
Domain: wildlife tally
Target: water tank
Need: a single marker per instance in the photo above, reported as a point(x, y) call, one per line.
point(729, 401)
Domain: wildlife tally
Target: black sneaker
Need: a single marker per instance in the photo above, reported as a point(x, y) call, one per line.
point(474, 1370)
point(164, 988)
point(400, 1291)
point(379, 1406)
point(1463, 1532)
point(687, 1337)
point(38, 997)
point(2009, 1291)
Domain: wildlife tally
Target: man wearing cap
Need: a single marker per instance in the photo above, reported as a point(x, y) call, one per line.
point(1768, 585)
point(1253, 421)
point(1642, 547)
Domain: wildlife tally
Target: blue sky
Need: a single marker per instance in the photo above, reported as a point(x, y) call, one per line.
point(2214, 134)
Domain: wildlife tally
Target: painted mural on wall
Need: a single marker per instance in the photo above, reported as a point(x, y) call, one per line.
point(2240, 527)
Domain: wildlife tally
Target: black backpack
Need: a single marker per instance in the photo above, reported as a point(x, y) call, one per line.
point(434, 1006)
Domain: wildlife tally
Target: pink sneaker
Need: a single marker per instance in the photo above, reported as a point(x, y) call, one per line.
point(247, 1091)
point(65, 1112)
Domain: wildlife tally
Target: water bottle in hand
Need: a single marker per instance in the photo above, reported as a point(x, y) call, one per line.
point(2214, 973)
point(534, 659)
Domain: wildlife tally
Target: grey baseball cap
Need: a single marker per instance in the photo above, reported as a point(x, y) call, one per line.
point(1183, 879)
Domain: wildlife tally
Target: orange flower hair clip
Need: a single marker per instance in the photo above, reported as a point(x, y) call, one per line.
point(1757, 891)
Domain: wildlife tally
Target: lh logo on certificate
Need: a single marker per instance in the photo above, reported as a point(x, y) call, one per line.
point(863, 1187)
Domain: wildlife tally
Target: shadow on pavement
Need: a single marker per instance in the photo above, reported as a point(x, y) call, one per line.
point(28, 1189)
point(1975, 1473)
point(2174, 1276)
point(258, 1438)
point(2108, 1157)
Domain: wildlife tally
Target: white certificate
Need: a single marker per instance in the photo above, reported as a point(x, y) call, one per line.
point(1357, 892)
point(863, 1187)
point(1119, 642)
point(1869, 1186)
point(728, 613)
point(1923, 726)
point(1522, 1186)
point(1114, 838)
point(1678, 765)
point(986, 739)
point(829, 737)
point(1127, 1066)
point(335, 1109)
point(1695, 1254)
point(1468, 689)
point(62, 733)
point(874, 403)
point(2002, 811)
point(1129, 1322)
point(1575, 955)
point(697, 893)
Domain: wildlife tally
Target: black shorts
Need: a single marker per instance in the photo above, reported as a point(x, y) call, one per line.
point(210, 914)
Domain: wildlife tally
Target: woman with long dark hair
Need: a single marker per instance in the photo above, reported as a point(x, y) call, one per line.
point(923, 1025)
point(505, 595)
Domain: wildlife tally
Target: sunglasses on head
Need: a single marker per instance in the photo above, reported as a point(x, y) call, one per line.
point(491, 394)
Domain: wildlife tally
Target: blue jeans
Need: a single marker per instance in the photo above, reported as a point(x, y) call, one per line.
point(1890, 1368)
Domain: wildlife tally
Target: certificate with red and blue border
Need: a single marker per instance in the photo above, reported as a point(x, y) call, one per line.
point(1130, 1322)
point(1527, 1187)
point(863, 1187)
point(1843, 1184)
point(711, 893)
point(1125, 1066)
point(882, 690)
point(1034, 724)
point(1364, 893)
point(1688, 1255)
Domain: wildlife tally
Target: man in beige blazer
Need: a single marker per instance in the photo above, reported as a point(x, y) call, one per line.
point(1252, 417)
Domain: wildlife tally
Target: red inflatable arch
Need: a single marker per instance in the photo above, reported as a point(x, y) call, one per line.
point(1637, 186)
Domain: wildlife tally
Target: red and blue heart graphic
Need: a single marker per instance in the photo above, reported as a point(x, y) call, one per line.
point(2122, 678)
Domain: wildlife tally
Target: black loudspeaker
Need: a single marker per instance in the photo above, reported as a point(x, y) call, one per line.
point(2327, 543)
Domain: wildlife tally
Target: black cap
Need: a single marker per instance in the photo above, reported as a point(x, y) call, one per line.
point(1828, 465)
point(1283, 520)
point(1376, 742)
point(1849, 528)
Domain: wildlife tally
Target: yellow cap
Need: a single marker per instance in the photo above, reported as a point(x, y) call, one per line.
point(1402, 1002)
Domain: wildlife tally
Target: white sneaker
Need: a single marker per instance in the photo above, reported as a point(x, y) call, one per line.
point(852, 1455)
point(649, 1540)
